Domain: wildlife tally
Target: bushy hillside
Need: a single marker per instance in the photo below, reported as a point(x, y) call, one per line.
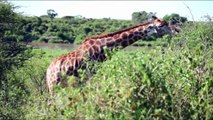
point(64, 30)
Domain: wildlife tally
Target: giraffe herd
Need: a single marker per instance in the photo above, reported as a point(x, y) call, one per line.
point(93, 48)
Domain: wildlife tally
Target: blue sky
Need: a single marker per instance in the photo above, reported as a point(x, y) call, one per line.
point(115, 9)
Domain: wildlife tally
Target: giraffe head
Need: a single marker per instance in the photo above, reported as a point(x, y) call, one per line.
point(162, 27)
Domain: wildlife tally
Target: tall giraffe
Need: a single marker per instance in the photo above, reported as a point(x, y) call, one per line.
point(93, 48)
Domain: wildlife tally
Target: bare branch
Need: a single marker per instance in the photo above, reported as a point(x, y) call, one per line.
point(189, 11)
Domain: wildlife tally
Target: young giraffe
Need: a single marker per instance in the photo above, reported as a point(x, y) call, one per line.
point(93, 48)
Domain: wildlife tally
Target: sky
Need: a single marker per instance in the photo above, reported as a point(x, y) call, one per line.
point(116, 9)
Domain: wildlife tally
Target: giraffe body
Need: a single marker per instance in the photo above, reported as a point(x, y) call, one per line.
point(92, 48)
point(67, 64)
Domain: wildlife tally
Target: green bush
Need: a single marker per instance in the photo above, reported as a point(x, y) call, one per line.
point(173, 82)
point(79, 39)
point(34, 28)
point(43, 39)
point(13, 90)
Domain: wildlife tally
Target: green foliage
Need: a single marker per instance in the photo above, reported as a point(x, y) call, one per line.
point(174, 18)
point(34, 72)
point(140, 17)
point(173, 81)
point(8, 19)
point(68, 17)
point(66, 29)
point(71, 29)
point(43, 39)
point(13, 89)
point(162, 83)
point(78, 39)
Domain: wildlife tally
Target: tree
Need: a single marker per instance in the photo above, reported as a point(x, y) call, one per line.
point(8, 18)
point(13, 91)
point(140, 17)
point(174, 18)
point(68, 17)
point(51, 13)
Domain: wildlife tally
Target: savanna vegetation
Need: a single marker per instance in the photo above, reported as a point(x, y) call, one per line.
point(71, 29)
point(172, 79)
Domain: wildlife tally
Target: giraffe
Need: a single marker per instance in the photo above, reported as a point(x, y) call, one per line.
point(92, 48)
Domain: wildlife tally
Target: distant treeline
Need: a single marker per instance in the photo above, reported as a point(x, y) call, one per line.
point(68, 29)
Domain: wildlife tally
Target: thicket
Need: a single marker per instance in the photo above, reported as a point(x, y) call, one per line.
point(174, 81)
point(13, 90)
point(69, 29)
point(64, 30)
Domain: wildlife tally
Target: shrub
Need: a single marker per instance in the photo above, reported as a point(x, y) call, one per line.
point(14, 92)
point(79, 39)
point(173, 82)
point(163, 82)
point(43, 39)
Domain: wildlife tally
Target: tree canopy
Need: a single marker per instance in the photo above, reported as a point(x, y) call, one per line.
point(51, 13)
point(174, 18)
point(13, 54)
point(142, 16)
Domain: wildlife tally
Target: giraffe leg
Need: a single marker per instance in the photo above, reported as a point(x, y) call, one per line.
point(76, 74)
point(102, 57)
point(49, 98)
point(77, 78)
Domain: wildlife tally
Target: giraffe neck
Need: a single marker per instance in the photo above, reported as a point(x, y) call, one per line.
point(126, 37)
point(93, 46)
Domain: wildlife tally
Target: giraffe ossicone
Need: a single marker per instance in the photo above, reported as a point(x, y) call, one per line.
point(93, 47)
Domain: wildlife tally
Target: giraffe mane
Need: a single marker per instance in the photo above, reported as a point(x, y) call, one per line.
point(116, 32)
